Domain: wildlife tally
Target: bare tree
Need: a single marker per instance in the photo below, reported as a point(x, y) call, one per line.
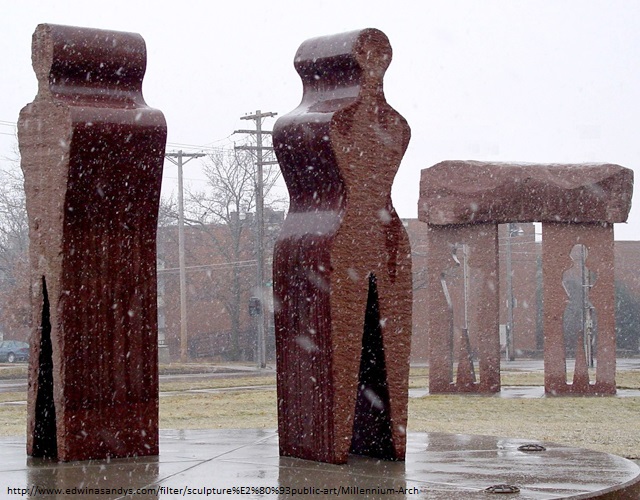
point(167, 212)
point(14, 252)
point(225, 211)
point(14, 224)
point(231, 188)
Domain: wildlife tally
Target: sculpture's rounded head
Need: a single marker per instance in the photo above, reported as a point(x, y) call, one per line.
point(353, 58)
point(88, 64)
point(373, 52)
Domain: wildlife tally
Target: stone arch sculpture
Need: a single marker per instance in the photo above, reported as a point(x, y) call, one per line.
point(342, 264)
point(577, 204)
point(92, 154)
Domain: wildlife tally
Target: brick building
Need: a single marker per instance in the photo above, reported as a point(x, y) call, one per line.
point(221, 280)
point(212, 294)
point(628, 265)
point(519, 242)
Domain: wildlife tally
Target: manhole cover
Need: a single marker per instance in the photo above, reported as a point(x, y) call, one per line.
point(503, 488)
point(531, 447)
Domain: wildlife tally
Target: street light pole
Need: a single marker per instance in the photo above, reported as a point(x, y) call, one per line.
point(509, 352)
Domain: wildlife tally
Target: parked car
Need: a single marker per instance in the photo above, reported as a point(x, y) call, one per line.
point(13, 350)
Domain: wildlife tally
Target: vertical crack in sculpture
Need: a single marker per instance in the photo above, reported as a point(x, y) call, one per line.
point(44, 435)
point(339, 152)
point(372, 426)
point(92, 154)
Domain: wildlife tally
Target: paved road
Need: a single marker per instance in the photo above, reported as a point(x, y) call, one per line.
point(18, 385)
point(13, 385)
point(525, 365)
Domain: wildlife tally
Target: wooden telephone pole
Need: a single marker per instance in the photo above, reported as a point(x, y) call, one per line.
point(179, 155)
point(259, 149)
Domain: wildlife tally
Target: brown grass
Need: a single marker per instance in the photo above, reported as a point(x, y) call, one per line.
point(13, 371)
point(606, 424)
point(12, 396)
point(232, 410)
point(217, 383)
point(13, 420)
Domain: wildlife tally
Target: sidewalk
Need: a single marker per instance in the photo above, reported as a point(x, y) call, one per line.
point(245, 463)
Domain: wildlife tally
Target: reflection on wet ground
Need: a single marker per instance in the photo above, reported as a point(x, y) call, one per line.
point(246, 463)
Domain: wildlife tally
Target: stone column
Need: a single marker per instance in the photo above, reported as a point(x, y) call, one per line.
point(92, 154)
point(558, 239)
point(477, 323)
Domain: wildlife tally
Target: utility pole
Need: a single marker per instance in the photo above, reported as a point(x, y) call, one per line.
point(259, 149)
point(179, 155)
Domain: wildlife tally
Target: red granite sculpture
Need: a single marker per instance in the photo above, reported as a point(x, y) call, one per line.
point(342, 265)
point(92, 155)
point(476, 307)
point(558, 239)
point(472, 192)
point(577, 205)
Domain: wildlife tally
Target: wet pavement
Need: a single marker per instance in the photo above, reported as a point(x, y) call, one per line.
point(537, 365)
point(245, 464)
point(524, 392)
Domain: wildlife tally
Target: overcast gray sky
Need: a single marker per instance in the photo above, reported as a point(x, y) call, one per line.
point(493, 80)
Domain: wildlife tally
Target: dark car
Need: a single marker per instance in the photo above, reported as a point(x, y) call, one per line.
point(13, 350)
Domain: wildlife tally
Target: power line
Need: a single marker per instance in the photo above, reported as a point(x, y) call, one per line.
point(191, 179)
point(223, 139)
point(207, 147)
point(222, 265)
point(195, 147)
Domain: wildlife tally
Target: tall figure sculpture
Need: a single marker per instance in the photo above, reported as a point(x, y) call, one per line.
point(92, 154)
point(342, 264)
